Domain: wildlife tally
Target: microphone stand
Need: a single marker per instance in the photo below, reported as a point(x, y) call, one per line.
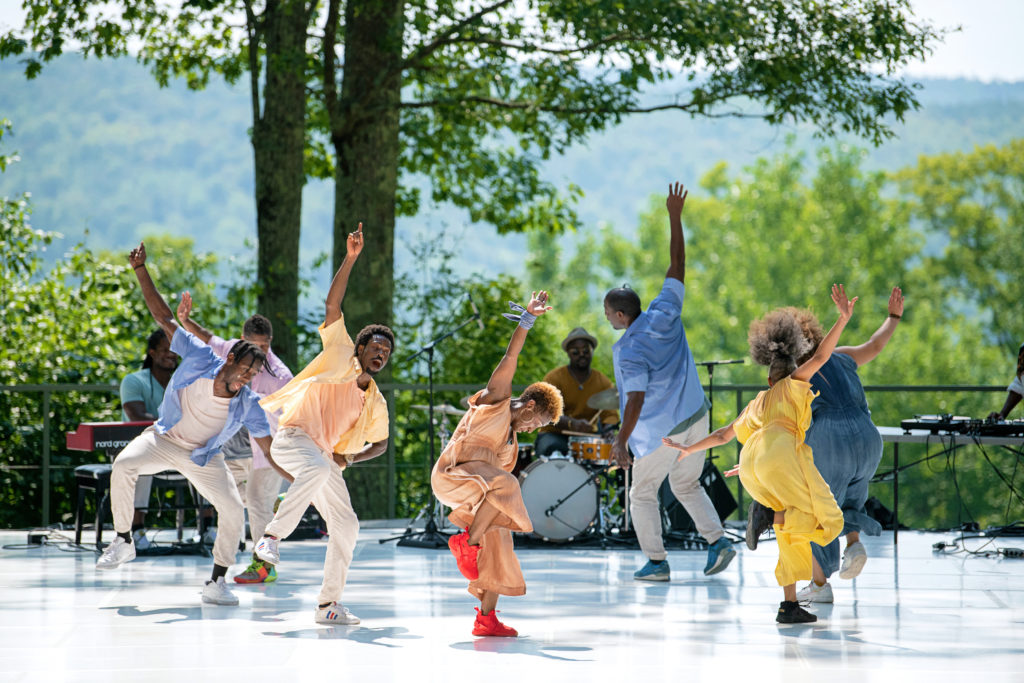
point(431, 536)
point(710, 365)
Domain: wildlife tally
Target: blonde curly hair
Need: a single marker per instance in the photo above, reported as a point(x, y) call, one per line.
point(547, 398)
point(777, 340)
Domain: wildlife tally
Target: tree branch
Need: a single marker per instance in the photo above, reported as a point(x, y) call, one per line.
point(330, 86)
point(536, 106)
point(442, 39)
point(522, 47)
point(252, 30)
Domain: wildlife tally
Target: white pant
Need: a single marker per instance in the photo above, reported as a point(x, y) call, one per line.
point(258, 489)
point(684, 479)
point(318, 479)
point(150, 453)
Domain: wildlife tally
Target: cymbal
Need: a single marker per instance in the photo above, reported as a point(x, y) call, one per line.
point(604, 400)
point(443, 408)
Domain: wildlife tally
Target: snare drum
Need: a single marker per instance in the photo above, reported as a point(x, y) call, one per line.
point(560, 497)
point(594, 450)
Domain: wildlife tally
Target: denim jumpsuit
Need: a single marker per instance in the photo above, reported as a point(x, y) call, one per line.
point(847, 449)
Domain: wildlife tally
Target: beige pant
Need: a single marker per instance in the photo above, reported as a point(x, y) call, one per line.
point(684, 479)
point(318, 479)
point(150, 453)
point(259, 489)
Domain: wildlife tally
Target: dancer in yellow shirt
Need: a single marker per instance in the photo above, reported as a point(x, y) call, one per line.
point(776, 466)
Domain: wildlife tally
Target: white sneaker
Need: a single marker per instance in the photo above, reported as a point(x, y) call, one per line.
point(139, 539)
point(815, 593)
point(218, 593)
point(335, 615)
point(116, 554)
point(854, 559)
point(266, 550)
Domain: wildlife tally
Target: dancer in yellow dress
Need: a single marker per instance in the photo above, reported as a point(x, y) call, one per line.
point(776, 466)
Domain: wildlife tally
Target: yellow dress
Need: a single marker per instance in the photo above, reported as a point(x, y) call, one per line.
point(777, 468)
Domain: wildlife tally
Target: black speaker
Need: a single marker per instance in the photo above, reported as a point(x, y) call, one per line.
point(715, 486)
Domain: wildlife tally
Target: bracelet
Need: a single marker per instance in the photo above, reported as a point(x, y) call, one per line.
point(896, 317)
point(526, 320)
point(141, 265)
point(520, 315)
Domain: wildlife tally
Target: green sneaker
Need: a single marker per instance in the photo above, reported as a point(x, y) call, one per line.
point(258, 571)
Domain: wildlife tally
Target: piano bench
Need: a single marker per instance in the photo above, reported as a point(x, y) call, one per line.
point(96, 478)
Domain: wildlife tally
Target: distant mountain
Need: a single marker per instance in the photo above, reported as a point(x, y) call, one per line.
point(105, 151)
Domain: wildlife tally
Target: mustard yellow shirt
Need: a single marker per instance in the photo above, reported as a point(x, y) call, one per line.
point(575, 395)
point(322, 395)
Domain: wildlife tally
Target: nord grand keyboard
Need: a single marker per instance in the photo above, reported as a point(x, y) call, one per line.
point(110, 437)
point(957, 424)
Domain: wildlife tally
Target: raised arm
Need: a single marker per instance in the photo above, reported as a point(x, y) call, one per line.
point(828, 344)
point(158, 308)
point(677, 246)
point(184, 311)
point(336, 294)
point(719, 437)
point(866, 352)
point(499, 387)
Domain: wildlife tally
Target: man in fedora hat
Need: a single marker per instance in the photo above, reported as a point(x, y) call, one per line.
point(578, 382)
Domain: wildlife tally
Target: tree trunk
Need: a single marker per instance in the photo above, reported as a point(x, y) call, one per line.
point(278, 141)
point(366, 147)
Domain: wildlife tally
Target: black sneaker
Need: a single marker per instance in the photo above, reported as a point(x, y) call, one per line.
point(759, 520)
point(793, 613)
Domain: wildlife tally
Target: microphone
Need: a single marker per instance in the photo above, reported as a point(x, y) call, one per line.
point(476, 311)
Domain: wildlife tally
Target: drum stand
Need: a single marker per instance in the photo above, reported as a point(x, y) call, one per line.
point(431, 536)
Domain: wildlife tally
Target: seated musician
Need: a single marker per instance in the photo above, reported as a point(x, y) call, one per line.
point(141, 394)
point(578, 382)
point(1014, 392)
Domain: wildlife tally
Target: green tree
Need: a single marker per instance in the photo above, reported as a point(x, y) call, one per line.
point(473, 97)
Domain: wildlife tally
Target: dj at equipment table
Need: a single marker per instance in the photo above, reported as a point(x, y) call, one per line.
point(948, 442)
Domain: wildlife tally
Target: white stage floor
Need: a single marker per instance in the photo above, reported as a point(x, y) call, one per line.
point(924, 616)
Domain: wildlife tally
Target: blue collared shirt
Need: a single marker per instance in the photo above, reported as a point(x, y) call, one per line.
point(198, 360)
point(652, 356)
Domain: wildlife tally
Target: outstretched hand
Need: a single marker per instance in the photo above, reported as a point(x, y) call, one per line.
point(538, 303)
point(354, 243)
point(184, 307)
point(896, 302)
point(676, 199)
point(683, 451)
point(733, 472)
point(843, 304)
point(138, 256)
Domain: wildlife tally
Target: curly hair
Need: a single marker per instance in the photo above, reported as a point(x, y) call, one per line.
point(243, 349)
point(366, 334)
point(777, 340)
point(811, 327)
point(547, 397)
point(257, 325)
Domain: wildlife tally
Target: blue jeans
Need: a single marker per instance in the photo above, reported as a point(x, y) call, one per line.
point(847, 450)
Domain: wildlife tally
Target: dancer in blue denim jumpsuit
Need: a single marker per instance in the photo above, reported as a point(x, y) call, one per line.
point(847, 447)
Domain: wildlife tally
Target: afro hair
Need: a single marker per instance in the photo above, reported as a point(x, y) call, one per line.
point(547, 397)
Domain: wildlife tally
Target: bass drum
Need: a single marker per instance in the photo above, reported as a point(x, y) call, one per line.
point(546, 482)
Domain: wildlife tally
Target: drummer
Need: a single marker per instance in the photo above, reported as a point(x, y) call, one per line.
point(578, 382)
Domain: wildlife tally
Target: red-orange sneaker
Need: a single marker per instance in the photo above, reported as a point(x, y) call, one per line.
point(465, 555)
point(488, 625)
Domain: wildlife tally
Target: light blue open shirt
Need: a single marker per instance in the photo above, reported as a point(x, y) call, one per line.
point(652, 356)
point(198, 360)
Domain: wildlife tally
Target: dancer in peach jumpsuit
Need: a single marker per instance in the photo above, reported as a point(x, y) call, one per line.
point(473, 477)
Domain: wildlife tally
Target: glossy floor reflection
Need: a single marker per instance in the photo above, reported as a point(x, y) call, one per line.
point(926, 616)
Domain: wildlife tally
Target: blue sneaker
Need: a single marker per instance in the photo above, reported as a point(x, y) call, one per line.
point(720, 554)
point(653, 571)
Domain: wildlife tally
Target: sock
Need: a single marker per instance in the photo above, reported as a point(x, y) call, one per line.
point(218, 572)
point(326, 604)
point(126, 535)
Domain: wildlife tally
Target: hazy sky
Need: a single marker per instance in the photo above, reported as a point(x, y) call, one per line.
point(988, 48)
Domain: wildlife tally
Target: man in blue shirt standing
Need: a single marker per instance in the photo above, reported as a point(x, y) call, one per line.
point(660, 395)
point(207, 400)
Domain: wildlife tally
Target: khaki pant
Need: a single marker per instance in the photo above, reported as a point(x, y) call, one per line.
point(150, 453)
point(319, 480)
point(684, 479)
point(258, 489)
